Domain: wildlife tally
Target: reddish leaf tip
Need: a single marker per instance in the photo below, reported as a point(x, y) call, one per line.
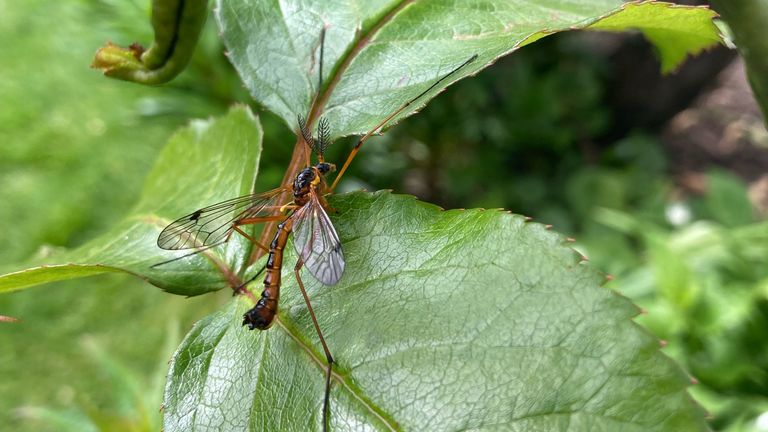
point(136, 49)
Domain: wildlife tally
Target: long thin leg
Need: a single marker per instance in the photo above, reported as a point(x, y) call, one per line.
point(235, 227)
point(195, 252)
point(328, 357)
point(255, 220)
point(304, 128)
point(251, 239)
point(381, 124)
point(322, 49)
point(239, 288)
point(250, 221)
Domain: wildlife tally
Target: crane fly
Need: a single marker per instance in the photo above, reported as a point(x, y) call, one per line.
point(315, 241)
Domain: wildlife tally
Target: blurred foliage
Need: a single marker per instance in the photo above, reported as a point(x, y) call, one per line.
point(75, 149)
point(525, 134)
point(531, 128)
point(71, 117)
point(134, 399)
point(697, 266)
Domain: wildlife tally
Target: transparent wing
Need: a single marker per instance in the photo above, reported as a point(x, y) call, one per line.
point(211, 225)
point(317, 243)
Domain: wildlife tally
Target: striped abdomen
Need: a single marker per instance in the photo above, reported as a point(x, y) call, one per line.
point(263, 313)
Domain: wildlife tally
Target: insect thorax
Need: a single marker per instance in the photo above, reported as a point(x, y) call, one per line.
point(301, 185)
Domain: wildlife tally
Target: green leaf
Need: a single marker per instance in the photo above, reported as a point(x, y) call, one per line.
point(204, 163)
point(676, 31)
point(475, 317)
point(443, 320)
point(380, 54)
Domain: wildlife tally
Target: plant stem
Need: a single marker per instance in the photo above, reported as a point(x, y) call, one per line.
point(748, 20)
point(298, 160)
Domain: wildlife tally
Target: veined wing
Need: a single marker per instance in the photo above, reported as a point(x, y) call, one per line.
point(317, 243)
point(210, 225)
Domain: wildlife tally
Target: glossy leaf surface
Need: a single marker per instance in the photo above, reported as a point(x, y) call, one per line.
point(379, 54)
point(444, 320)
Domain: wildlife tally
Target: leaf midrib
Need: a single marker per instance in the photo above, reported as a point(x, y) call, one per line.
point(347, 59)
point(315, 111)
point(339, 378)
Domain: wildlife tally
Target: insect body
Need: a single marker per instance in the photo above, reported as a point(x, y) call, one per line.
point(316, 242)
point(317, 245)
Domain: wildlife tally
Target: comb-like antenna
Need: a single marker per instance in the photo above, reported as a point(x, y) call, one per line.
point(305, 132)
point(317, 147)
point(323, 137)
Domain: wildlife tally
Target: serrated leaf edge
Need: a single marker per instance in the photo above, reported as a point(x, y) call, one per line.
point(577, 264)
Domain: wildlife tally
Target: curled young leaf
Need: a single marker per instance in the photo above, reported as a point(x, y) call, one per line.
point(177, 25)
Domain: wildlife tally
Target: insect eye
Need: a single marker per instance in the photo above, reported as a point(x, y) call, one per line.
point(325, 167)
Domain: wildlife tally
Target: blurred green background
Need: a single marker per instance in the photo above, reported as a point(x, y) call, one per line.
point(661, 180)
